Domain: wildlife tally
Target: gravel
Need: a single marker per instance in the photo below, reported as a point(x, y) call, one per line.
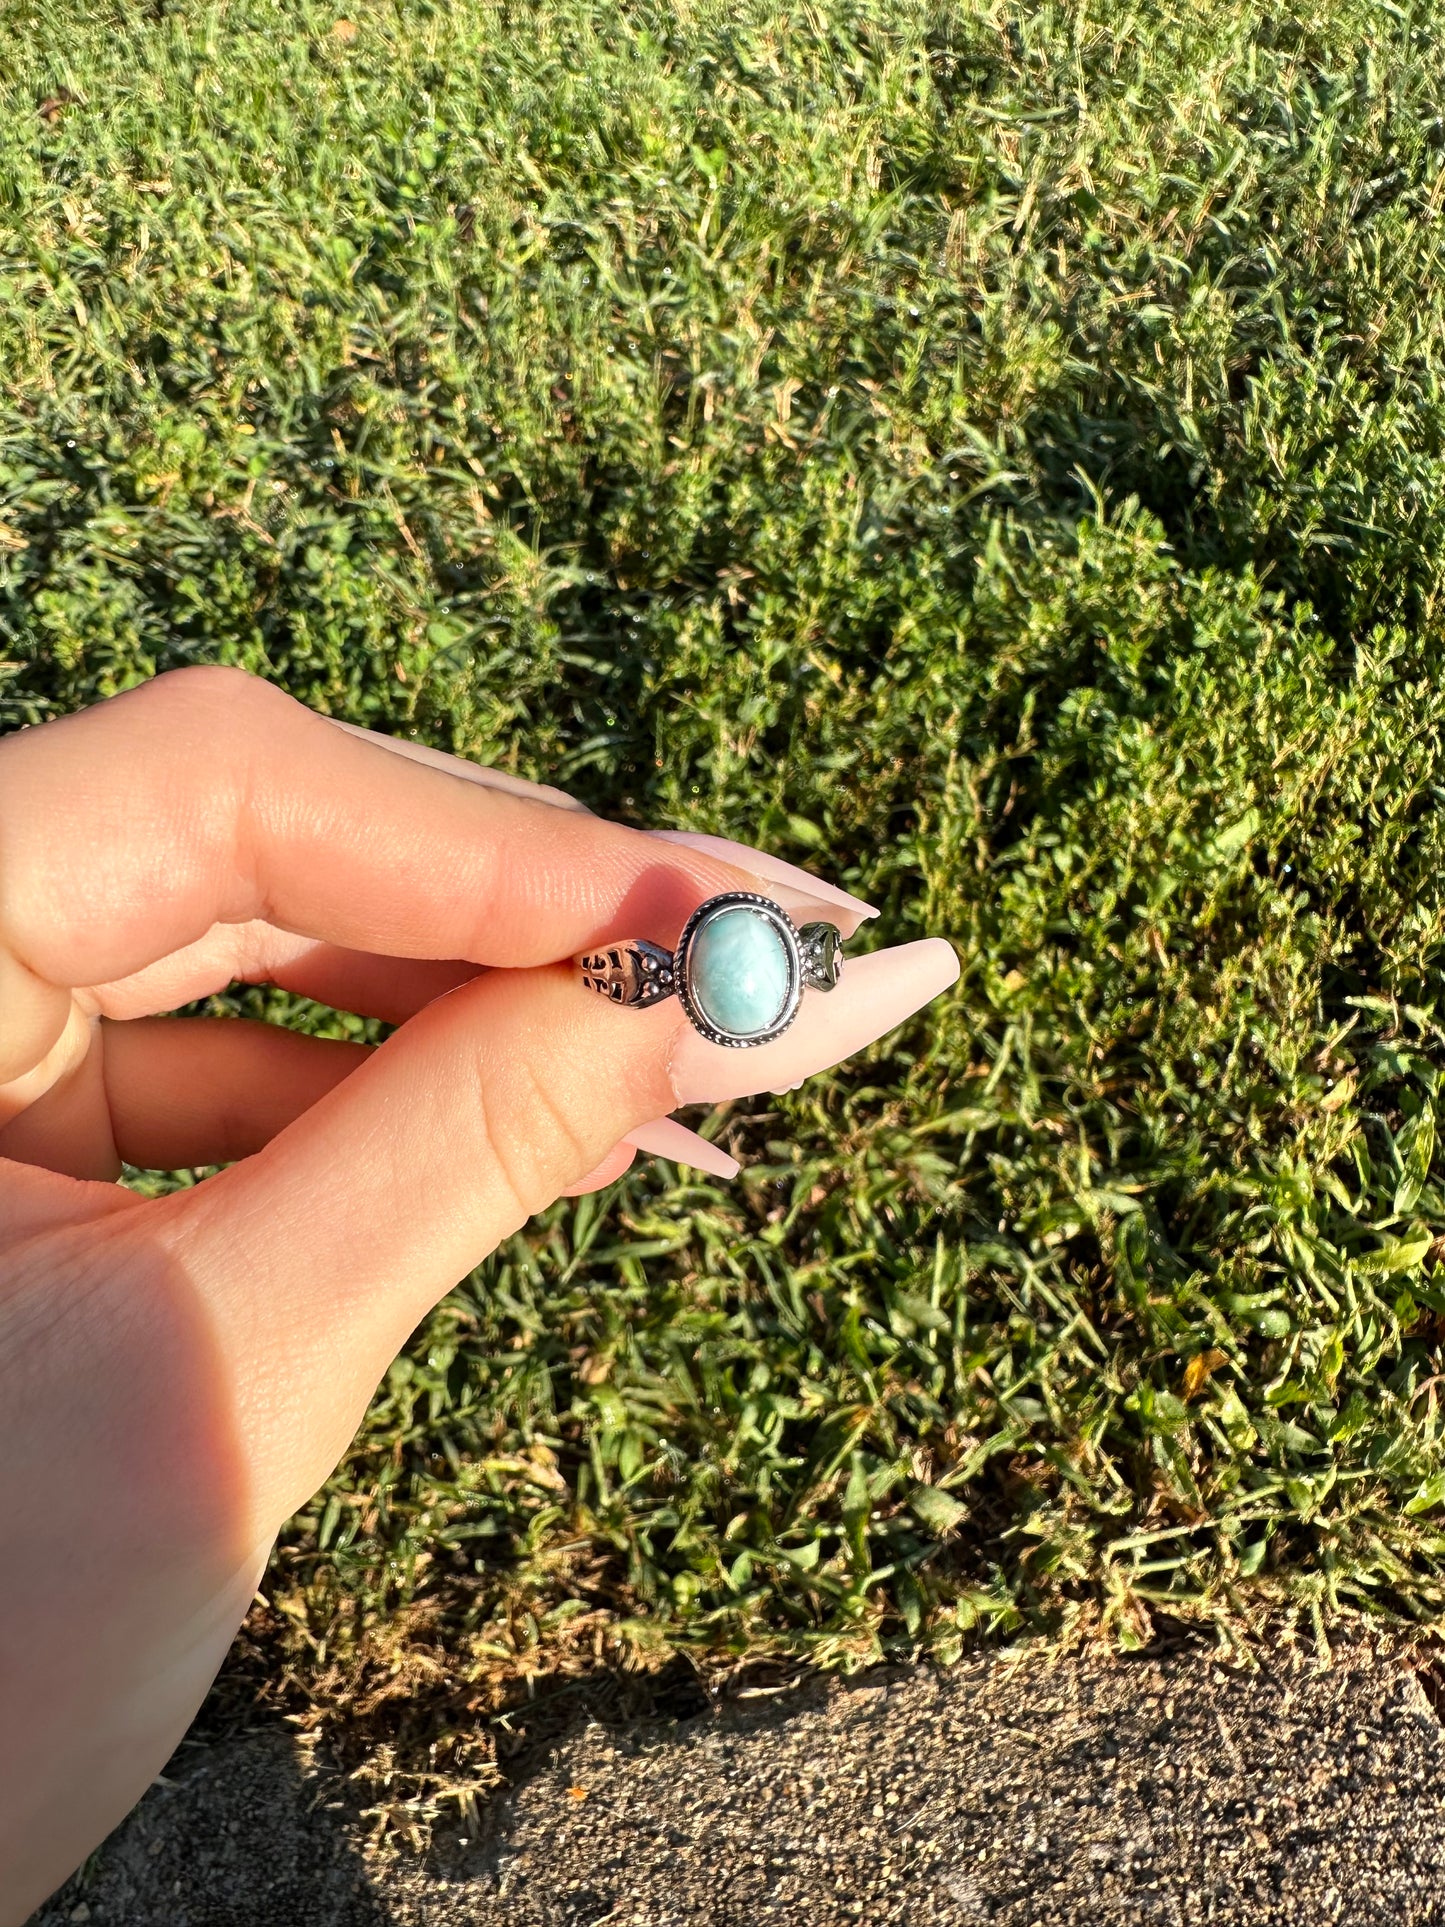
point(1018, 1791)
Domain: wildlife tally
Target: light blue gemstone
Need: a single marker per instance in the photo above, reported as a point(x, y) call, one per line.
point(738, 972)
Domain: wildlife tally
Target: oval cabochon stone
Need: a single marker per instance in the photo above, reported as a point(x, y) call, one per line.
point(738, 971)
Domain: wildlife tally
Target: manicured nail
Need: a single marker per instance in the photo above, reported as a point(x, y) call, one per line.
point(875, 994)
point(789, 879)
point(796, 889)
point(491, 779)
point(664, 1137)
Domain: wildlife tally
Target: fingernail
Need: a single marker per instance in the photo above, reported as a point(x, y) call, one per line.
point(795, 889)
point(664, 1137)
point(492, 779)
point(787, 877)
point(875, 994)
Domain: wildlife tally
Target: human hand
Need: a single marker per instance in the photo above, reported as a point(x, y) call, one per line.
point(178, 1375)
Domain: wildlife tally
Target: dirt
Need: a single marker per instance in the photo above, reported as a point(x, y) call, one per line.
point(1024, 1793)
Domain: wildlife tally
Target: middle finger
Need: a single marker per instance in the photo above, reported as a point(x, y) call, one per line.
point(360, 981)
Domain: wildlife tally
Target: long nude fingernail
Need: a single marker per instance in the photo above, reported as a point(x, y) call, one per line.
point(875, 994)
point(797, 889)
point(772, 869)
point(482, 773)
point(664, 1137)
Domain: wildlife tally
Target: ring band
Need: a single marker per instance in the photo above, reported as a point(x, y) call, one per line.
point(740, 968)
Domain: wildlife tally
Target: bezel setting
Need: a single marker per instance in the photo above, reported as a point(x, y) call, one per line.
point(787, 930)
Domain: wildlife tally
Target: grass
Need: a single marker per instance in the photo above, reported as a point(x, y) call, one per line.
point(992, 451)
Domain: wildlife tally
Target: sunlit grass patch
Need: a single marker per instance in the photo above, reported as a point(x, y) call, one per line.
point(992, 453)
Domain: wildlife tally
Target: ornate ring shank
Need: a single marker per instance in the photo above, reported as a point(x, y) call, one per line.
point(635, 973)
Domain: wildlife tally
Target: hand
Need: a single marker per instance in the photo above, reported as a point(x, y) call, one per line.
point(178, 1375)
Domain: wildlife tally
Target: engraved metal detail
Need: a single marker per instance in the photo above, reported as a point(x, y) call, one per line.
point(821, 949)
point(635, 974)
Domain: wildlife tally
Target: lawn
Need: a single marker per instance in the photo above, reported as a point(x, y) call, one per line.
point(990, 451)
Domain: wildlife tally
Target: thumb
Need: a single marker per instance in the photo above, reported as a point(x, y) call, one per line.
point(317, 1256)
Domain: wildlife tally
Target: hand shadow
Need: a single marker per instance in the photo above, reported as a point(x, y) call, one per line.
point(237, 1833)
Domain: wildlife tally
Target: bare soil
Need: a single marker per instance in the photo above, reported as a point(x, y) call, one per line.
point(1023, 1792)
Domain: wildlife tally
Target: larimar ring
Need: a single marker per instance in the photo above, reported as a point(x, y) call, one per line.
point(740, 968)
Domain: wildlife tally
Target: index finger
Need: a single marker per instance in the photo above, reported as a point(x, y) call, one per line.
point(210, 796)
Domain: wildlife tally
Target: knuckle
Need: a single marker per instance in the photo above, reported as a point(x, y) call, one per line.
point(578, 1153)
point(249, 951)
point(214, 694)
point(516, 1202)
point(536, 1144)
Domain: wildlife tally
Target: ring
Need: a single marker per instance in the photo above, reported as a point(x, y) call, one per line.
point(740, 968)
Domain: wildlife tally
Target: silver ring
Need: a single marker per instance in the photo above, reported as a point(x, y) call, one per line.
point(740, 968)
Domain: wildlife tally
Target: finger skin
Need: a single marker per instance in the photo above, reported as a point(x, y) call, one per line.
point(34, 1013)
point(484, 773)
point(34, 1199)
point(61, 1061)
point(392, 988)
point(187, 1091)
point(843, 909)
point(618, 1160)
point(67, 1126)
point(209, 796)
point(207, 1090)
point(177, 1092)
point(360, 981)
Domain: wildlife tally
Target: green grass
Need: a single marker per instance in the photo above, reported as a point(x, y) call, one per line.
point(1000, 445)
